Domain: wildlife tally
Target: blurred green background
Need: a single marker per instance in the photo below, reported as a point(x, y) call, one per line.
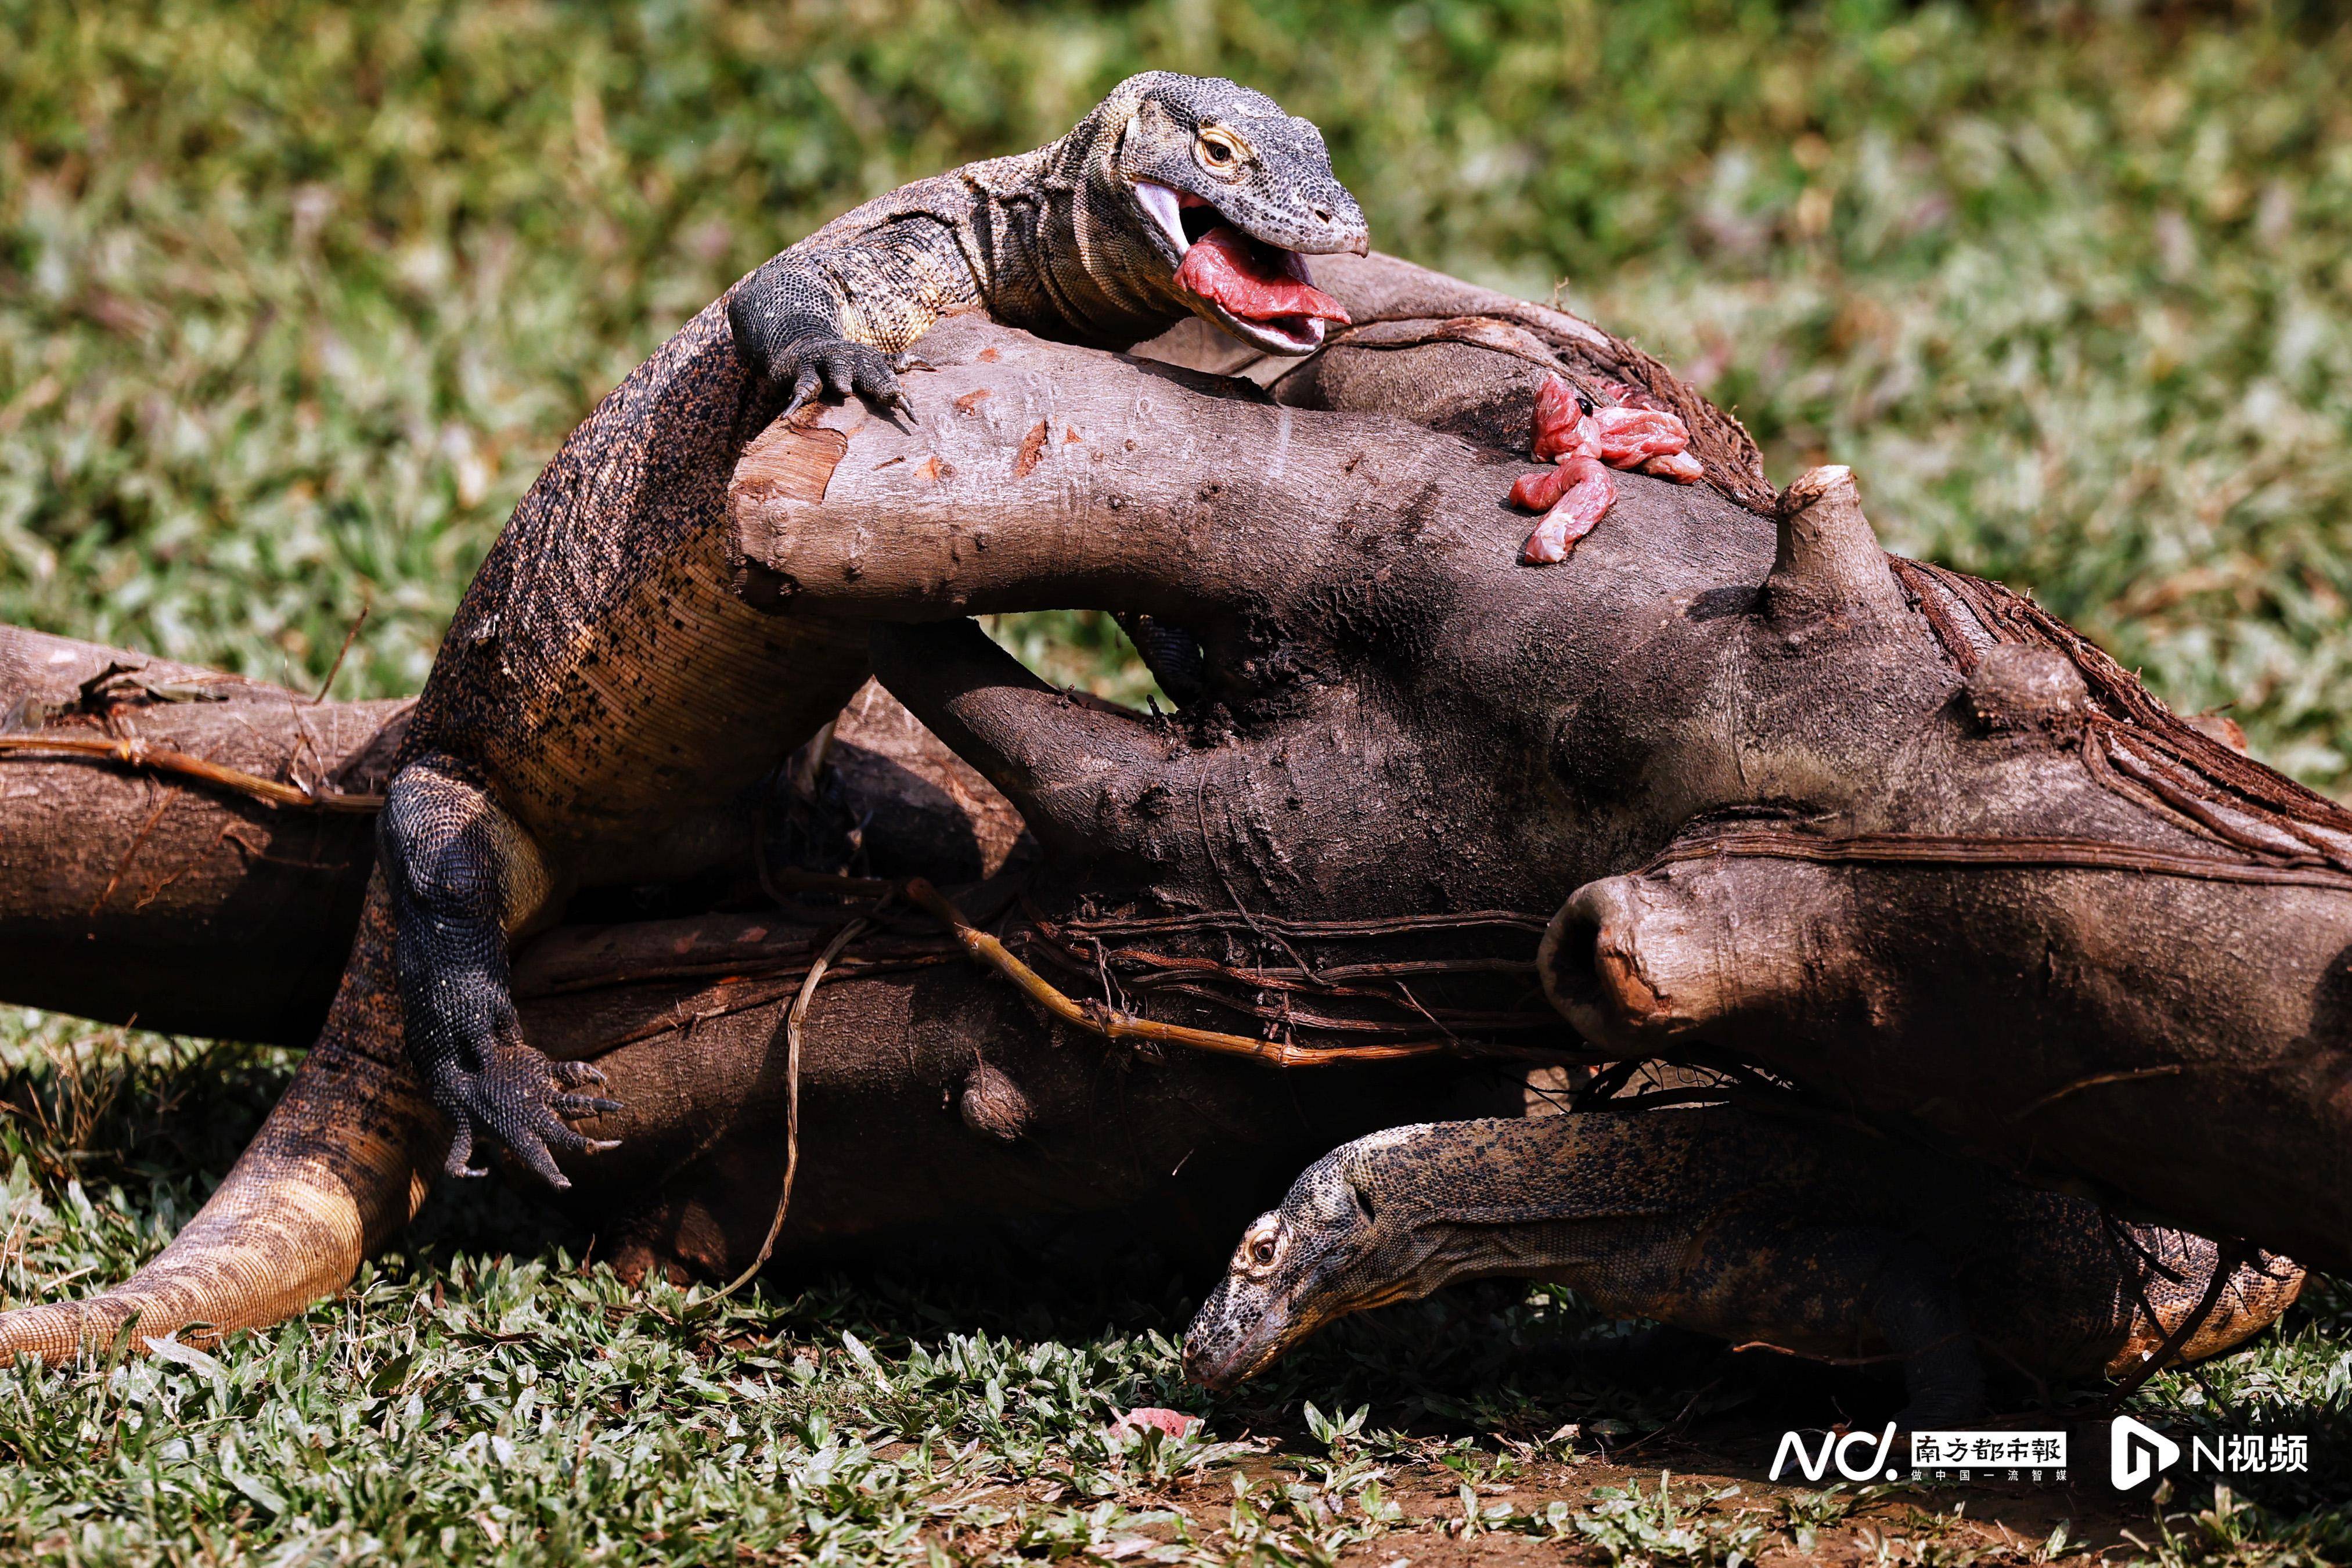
point(295, 299)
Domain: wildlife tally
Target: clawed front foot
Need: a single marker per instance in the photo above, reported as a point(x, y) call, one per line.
point(840, 368)
point(522, 1099)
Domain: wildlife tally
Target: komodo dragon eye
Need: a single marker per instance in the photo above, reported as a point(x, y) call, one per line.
point(1220, 151)
point(1261, 1244)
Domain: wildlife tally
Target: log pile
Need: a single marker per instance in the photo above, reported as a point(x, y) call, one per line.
point(1727, 787)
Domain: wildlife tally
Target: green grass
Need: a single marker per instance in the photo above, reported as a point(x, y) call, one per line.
point(484, 1395)
point(295, 299)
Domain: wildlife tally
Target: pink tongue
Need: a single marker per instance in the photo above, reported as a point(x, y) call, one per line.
point(1227, 269)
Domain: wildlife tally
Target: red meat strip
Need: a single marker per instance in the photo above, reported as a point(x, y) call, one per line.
point(1559, 421)
point(1538, 490)
point(1627, 436)
point(1154, 1417)
point(1590, 494)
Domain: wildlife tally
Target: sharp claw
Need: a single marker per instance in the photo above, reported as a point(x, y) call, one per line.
point(805, 386)
point(601, 1146)
point(577, 1073)
point(542, 1161)
point(458, 1160)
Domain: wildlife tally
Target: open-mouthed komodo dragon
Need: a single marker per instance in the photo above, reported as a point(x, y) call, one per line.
point(1750, 1226)
point(601, 673)
point(602, 677)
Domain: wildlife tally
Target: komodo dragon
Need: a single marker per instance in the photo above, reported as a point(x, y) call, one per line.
point(1745, 1225)
point(603, 678)
point(602, 675)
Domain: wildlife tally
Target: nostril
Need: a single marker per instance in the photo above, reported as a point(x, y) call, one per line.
point(1322, 215)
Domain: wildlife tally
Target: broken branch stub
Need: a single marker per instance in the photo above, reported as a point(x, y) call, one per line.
point(2063, 1021)
point(1826, 559)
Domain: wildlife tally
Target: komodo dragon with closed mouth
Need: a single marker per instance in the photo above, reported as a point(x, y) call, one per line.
point(1738, 1223)
point(601, 673)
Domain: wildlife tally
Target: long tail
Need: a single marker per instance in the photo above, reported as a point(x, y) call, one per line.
point(339, 1166)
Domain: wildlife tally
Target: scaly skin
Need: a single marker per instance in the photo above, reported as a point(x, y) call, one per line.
point(602, 676)
point(337, 1170)
point(1052, 241)
point(1739, 1224)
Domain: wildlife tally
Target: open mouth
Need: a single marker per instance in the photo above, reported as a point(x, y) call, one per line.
point(1260, 293)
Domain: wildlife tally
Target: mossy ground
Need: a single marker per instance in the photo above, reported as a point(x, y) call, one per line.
point(295, 299)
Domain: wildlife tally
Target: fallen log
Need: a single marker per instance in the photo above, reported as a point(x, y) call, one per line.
point(930, 1090)
point(338, 1166)
point(2027, 910)
point(151, 894)
point(180, 898)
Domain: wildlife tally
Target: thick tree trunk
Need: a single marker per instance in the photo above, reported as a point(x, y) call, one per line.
point(146, 894)
point(1931, 856)
point(152, 893)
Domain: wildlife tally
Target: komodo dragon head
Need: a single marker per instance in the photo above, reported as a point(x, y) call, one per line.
point(1375, 1221)
point(1226, 195)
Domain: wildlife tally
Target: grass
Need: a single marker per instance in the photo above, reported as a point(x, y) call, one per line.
point(295, 299)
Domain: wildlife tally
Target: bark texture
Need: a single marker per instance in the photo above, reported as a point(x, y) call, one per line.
point(154, 896)
point(1954, 869)
point(931, 1091)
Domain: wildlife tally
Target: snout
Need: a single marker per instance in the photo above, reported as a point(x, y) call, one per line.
point(1230, 1340)
point(1337, 227)
point(1329, 222)
point(1213, 1368)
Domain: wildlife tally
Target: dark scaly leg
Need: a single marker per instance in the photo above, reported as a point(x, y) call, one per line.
point(462, 874)
point(1172, 655)
point(812, 323)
